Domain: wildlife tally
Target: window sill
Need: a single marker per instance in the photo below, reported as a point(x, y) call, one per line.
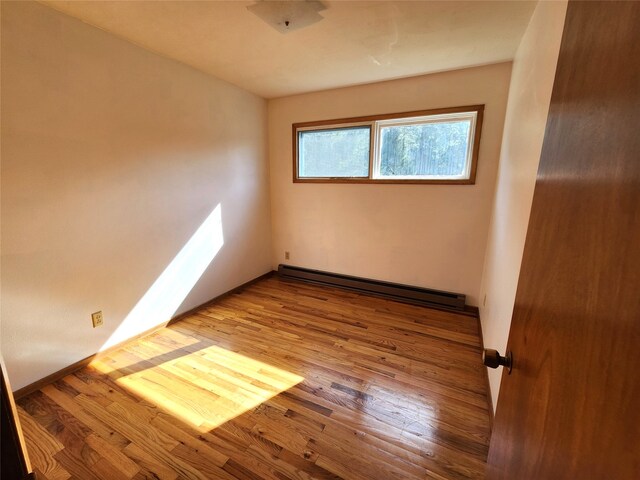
point(386, 181)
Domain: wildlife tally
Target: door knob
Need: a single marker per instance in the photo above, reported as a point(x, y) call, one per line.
point(492, 359)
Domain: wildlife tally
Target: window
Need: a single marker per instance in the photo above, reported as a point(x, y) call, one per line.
point(435, 146)
point(347, 147)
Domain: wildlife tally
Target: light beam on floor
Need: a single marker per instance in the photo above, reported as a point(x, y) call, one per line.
point(203, 389)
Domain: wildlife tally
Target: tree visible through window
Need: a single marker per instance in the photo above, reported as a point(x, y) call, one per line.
point(433, 149)
point(419, 147)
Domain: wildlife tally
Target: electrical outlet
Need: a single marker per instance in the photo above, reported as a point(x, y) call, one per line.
point(286, 255)
point(97, 319)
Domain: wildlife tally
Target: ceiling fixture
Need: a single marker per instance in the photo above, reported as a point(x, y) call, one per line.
point(289, 15)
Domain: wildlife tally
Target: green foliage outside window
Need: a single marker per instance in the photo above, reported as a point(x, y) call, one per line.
point(433, 149)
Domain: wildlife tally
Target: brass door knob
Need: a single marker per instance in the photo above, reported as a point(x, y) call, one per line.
point(492, 359)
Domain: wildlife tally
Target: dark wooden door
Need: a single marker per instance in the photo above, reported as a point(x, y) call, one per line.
point(571, 407)
point(14, 463)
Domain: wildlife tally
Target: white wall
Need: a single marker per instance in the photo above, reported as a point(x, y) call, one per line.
point(529, 96)
point(112, 157)
point(426, 235)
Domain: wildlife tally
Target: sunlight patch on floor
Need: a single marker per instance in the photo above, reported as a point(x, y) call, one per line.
point(205, 388)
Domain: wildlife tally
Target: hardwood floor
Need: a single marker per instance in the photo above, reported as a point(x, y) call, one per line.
point(281, 381)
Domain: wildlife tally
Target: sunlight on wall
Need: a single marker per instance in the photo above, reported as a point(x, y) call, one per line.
point(170, 289)
point(203, 389)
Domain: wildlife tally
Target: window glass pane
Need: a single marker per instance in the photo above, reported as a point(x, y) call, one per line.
point(425, 150)
point(336, 152)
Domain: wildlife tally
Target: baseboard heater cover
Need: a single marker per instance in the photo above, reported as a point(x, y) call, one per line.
point(396, 291)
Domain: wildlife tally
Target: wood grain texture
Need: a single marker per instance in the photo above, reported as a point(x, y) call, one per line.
point(570, 408)
point(283, 380)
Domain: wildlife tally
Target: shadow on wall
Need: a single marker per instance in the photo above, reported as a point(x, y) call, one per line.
point(170, 289)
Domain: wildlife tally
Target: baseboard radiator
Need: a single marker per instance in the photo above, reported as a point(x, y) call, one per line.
point(405, 293)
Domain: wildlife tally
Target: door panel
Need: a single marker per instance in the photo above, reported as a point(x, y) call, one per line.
point(571, 407)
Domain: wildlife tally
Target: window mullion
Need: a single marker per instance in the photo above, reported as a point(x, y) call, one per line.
point(375, 150)
point(372, 144)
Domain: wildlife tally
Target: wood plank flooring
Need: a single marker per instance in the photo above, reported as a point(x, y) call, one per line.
point(282, 380)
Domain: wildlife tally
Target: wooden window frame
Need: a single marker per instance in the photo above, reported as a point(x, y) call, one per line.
point(371, 119)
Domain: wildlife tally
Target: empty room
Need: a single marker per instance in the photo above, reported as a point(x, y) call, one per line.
point(320, 239)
